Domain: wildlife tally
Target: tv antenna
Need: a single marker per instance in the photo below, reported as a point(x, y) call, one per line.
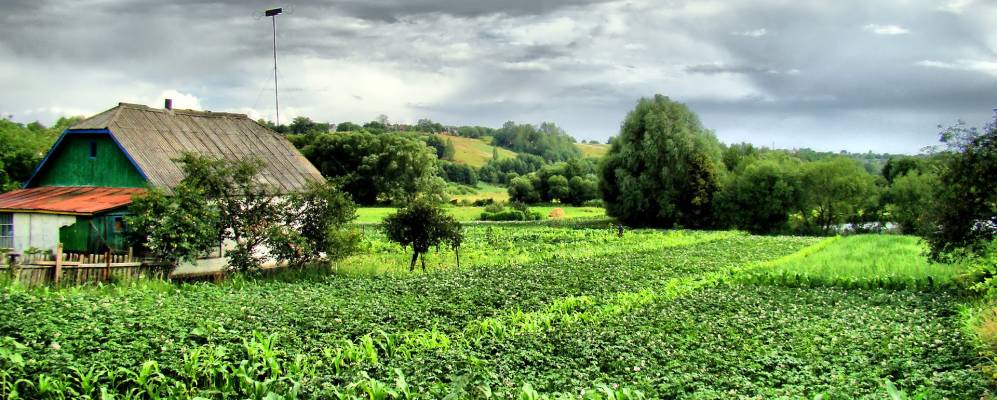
point(273, 13)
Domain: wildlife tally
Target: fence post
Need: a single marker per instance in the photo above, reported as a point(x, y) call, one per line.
point(58, 263)
point(107, 265)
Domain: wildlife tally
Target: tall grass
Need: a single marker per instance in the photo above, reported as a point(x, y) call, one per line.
point(863, 261)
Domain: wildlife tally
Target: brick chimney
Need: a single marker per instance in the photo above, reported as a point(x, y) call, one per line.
point(168, 104)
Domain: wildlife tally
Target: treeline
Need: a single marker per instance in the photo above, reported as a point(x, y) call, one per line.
point(22, 147)
point(675, 173)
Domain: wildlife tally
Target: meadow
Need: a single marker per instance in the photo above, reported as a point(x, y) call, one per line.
point(533, 312)
point(374, 215)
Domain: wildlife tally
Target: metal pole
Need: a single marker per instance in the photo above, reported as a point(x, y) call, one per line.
point(276, 100)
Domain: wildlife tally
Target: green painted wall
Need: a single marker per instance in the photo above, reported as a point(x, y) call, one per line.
point(71, 165)
point(91, 234)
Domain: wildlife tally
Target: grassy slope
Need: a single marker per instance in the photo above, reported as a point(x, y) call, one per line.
point(474, 152)
point(593, 150)
point(485, 191)
point(477, 152)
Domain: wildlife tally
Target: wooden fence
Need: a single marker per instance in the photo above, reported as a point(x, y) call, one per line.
point(78, 268)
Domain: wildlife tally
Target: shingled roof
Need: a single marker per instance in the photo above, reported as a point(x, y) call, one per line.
point(154, 137)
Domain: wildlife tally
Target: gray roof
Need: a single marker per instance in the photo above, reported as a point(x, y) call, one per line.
point(154, 137)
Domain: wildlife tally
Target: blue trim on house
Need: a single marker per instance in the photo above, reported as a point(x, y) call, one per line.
point(68, 132)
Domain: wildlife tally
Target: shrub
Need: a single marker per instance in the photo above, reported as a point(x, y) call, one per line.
point(423, 225)
point(511, 215)
point(594, 203)
point(494, 207)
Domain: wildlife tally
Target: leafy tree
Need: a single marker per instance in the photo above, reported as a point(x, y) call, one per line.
point(376, 168)
point(458, 173)
point(23, 146)
point(663, 169)
point(313, 226)
point(736, 153)
point(836, 189)
point(909, 201)
point(375, 127)
point(175, 228)
point(522, 189)
point(428, 126)
point(899, 166)
point(305, 126)
point(557, 187)
point(547, 141)
point(247, 208)
point(583, 188)
point(423, 225)
point(761, 193)
point(348, 127)
point(965, 214)
point(449, 151)
point(499, 170)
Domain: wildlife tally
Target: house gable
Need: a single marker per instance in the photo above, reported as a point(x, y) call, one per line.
point(87, 159)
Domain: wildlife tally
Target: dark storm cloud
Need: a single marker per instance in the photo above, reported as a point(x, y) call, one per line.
point(846, 74)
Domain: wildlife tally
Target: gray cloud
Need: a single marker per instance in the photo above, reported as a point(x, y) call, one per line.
point(850, 75)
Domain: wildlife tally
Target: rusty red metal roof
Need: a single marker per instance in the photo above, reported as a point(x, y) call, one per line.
point(67, 200)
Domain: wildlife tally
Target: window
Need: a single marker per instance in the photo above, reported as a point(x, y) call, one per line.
point(6, 231)
point(119, 224)
point(93, 149)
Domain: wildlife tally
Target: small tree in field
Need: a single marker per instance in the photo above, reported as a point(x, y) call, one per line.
point(423, 225)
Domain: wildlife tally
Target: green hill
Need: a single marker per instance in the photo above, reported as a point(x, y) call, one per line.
point(474, 152)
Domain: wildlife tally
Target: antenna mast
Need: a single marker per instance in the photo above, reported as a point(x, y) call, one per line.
point(273, 13)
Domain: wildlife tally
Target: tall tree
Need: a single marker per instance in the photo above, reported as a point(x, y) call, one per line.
point(664, 167)
point(965, 213)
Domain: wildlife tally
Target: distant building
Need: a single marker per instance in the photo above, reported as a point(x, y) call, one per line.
point(80, 192)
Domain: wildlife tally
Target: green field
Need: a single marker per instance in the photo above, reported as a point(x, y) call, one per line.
point(374, 215)
point(865, 261)
point(533, 312)
point(483, 191)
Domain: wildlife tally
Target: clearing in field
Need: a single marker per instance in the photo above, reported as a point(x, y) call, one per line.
point(535, 311)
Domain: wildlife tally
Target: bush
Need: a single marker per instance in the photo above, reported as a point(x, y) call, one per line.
point(483, 202)
point(494, 207)
point(511, 215)
point(594, 203)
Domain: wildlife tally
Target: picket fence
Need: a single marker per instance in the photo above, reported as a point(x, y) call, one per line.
point(72, 268)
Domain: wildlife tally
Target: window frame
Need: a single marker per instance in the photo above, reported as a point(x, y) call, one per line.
point(93, 150)
point(7, 220)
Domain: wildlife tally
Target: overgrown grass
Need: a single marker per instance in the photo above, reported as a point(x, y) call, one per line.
point(483, 191)
point(862, 261)
point(374, 215)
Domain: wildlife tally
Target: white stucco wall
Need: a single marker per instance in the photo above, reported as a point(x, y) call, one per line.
point(38, 230)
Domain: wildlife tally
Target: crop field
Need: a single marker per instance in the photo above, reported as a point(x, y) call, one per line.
point(532, 312)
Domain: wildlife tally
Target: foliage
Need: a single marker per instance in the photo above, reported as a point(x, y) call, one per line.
point(663, 169)
point(760, 194)
point(503, 170)
point(347, 127)
point(836, 189)
point(458, 173)
point(313, 228)
point(965, 215)
point(23, 146)
point(177, 228)
point(573, 182)
point(427, 125)
point(519, 212)
point(910, 199)
point(247, 207)
point(376, 168)
point(547, 140)
point(423, 225)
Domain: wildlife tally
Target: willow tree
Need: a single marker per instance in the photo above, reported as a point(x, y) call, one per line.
point(663, 169)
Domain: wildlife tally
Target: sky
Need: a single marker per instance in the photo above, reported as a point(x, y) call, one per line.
point(853, 75)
